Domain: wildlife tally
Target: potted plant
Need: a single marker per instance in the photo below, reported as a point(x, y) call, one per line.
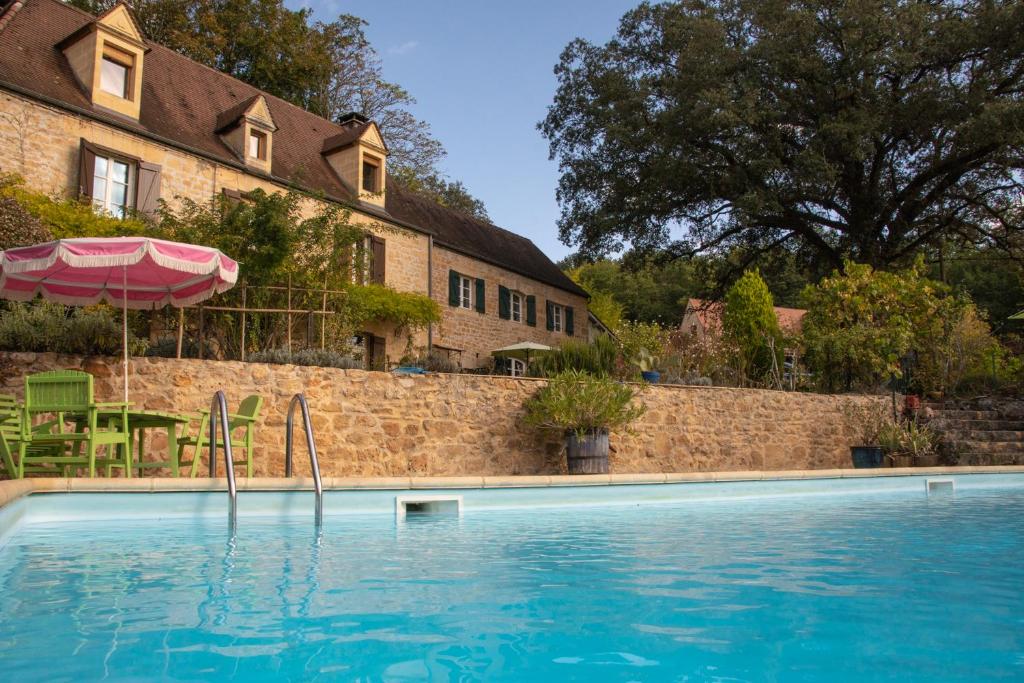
point(908, 443)
point(647, 361)
point(869, 421)
point(585, 408)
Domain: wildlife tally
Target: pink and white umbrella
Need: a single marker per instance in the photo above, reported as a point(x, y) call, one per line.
point(133, 272)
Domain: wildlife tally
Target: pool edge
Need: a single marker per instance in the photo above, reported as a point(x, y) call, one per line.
point(13, 490)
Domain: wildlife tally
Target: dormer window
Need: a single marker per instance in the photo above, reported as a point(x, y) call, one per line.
point(257, 145)
point(358, 156)
point(371, 173)
point(107, 57)
point(116, 73)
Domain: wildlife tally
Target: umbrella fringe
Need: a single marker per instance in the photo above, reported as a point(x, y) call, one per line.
point(212, 266)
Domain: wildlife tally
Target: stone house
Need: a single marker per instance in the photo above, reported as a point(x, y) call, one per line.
point(704, 318)
point(90, 108)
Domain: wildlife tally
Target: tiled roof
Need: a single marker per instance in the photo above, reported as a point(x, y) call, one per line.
point(473, 237)
point(709, 313)
point(184, 103)
point(227, 119)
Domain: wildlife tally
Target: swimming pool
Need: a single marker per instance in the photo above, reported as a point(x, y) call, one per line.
point(835, 580)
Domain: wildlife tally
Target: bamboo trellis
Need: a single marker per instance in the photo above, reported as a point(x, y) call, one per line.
point(289, 311)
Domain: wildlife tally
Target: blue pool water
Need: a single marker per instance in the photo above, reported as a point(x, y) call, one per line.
point(854, 587)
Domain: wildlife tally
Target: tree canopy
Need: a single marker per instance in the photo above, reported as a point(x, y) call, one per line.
point(862, 129)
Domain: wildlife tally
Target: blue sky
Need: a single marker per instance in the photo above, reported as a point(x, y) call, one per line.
point(481, 72)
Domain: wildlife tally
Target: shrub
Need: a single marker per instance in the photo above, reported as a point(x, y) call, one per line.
point(437, 362)
point(309, 357)
point(860, 324)
point(407, 310)
point(908, 437)
point(600, 358)
point(750, 326)
point(964, 352)
point(48, 327)
point(574, 401)
point(19, 228)
point(638, 339)
point(63, 217)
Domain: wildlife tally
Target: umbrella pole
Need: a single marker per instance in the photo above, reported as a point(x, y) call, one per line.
point(124, 326)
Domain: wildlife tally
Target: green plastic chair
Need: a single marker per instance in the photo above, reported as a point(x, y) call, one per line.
point(244, 419)
point(11, 414)
point(67, 396)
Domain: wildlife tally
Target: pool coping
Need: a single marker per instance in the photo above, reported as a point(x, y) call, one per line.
point(12, 490)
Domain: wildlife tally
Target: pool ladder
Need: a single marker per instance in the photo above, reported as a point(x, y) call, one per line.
point(219, 411)
point(314, 462)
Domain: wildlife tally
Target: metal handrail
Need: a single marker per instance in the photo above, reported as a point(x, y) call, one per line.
point(219, 409)
point(314, 463)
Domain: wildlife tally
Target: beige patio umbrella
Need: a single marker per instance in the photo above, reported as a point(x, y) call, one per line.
point(521, 351)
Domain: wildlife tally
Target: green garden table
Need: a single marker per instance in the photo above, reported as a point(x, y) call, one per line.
point(141, 420)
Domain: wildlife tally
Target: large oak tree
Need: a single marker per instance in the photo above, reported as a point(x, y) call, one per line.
point(868, 129)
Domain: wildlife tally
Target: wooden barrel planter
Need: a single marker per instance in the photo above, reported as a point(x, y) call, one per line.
point(587, 454)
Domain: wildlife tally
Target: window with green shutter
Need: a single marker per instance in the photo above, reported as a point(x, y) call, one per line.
point(480, 308)
point(504, 303)
point(531, 311)
point(549, 315)
point(569, 327)
point(453, 288)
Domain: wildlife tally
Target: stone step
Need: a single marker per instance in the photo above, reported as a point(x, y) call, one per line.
point(1004, 435)
point(942, 424)
point(958, 414)
point(975, 458)
point(992, 447)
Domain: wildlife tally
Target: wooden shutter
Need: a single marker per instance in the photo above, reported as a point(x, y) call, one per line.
point(453, 288)
point(147, 191)
point(86, 169)
point(480, 293)
point(504, 303)
point(376, 260)
point(531, 310)
point(568, 321)
point(550, 315)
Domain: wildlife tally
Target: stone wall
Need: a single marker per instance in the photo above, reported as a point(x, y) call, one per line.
point(477, 334)
point(378, 424)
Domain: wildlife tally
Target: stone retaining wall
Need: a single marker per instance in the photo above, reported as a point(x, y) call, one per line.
point(372, 424)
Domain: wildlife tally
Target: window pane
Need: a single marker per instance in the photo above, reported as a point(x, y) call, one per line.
point(119, 172)
point(118, 194)
point(101, 167)
point(369, 177)
point(113, 77)
point(99, 190)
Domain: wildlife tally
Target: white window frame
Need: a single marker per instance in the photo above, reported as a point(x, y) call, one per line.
point(516, 304)
point(103, 204)
point(557, 317)
point(516, 367)
point(262, 140)
point(122, 59)
point(465, 292)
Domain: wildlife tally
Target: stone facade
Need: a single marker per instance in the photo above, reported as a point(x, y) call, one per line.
point(41, 143)
point(476, 334)
point(379, 424)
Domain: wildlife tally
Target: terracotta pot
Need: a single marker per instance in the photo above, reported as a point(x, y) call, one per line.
point(901, 460)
